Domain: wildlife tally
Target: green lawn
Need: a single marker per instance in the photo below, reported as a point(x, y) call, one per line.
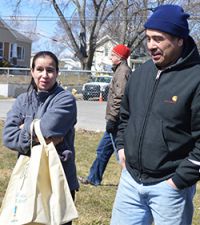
point(94, 204)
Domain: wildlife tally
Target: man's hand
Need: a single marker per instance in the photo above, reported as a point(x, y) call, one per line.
point(111, 126)
point(171, 183)
point(122, 158)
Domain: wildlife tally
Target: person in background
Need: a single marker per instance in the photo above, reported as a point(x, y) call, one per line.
point(50, 103)
point(106, 147)
point(159, 132)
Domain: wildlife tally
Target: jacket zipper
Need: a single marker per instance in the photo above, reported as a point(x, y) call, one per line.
point(145, 122)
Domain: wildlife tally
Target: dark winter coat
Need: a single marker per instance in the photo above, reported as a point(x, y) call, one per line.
point(160, 121)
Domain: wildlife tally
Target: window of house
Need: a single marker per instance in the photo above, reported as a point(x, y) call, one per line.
point(1, 50)
point(13, 48)
point(106, 51)
point(20, 52)
point(17, 51)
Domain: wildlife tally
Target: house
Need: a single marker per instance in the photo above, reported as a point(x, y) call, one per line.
point(15, 48)
point(68, 61)
point(71, 64)
point(101, 60)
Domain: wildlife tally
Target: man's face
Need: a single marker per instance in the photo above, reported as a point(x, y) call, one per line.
point(163, 48)
point(115, 58)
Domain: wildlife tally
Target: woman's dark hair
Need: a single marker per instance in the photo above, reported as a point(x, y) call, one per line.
point(38, 55)
point(43, 54)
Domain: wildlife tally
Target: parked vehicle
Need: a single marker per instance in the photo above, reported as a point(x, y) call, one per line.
point(98, 85)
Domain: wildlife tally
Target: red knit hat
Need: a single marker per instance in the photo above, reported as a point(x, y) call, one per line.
point(122, 51)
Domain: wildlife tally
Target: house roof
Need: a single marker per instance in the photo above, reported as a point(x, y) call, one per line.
point(16, 34)
point(104, 40)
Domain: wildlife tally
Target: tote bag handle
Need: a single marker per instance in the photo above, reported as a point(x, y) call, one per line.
point(35, 125)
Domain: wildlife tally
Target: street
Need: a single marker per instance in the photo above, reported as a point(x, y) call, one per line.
point(90, 116)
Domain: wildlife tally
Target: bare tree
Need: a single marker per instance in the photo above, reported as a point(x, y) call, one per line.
point(84, 47)
point(126, 25)
point(84, 44)
point(84, 22)
point(135, 14)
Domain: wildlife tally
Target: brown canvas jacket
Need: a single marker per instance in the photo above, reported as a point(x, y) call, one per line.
point(116, 91)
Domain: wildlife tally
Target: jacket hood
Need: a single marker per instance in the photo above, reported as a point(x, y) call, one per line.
point(189, 57)
point(190, 54)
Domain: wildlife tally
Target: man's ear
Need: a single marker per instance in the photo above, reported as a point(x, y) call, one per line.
point(180, 42)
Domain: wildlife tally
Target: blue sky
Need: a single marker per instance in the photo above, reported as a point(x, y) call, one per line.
point(46, 23)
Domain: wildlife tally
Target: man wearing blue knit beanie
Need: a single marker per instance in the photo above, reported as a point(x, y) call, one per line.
point(158, 138)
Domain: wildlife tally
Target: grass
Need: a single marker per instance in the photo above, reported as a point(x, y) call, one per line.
point(94, 204)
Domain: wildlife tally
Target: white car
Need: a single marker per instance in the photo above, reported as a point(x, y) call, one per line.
point(98, 85)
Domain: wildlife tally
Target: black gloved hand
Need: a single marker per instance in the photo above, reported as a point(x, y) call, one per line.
point(111, 126)
point(67, 154)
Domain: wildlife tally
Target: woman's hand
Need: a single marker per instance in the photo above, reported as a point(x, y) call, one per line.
point(21, 126)
point(55, 140)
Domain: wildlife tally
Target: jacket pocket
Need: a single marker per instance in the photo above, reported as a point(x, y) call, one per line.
point(164, 146)
point(179, 141)
point(154, 149)
point(131, 140)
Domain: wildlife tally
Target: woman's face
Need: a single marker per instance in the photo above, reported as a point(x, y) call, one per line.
point(44, 73)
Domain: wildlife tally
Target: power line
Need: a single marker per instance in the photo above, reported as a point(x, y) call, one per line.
point(77, 20)
point(54, 19)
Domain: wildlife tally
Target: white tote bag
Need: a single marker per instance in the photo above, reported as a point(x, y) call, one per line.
point(18, 205)
point(38, 192)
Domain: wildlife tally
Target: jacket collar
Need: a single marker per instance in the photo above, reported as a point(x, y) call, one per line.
point(43, 95)
point(114, 67)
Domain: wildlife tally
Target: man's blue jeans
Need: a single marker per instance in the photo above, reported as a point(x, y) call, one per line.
point(138, 204)
point(104, 152)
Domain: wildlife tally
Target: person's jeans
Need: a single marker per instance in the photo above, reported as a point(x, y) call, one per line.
point(138, 204)
point(104, 151)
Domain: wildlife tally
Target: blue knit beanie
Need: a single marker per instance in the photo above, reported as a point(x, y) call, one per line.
point(169, 19)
